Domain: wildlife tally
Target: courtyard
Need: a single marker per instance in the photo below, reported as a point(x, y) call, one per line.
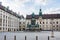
point(43, 35)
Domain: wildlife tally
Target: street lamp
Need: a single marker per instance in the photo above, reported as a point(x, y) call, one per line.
point(52, 32)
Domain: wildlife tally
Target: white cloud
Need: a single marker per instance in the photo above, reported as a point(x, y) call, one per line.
point(41, 2)
point(19, 6)
point(52, 11)
point(15, 5)
point(28, 11)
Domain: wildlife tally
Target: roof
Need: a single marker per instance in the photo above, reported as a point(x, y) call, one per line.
point(9, 11)
point(44, 16)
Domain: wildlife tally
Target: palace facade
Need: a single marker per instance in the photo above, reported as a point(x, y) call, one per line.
point(9, 20)
point(43, 21)
point(22, 23)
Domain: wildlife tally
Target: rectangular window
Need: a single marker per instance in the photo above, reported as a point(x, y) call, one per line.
point(23, 22)
point(56, 25)
point(46, 22)
point(3, 28)
point(3, 20)
point(56, 29)
point(43, 26)
point(40, 25)
point(0, 28)
point(4, 16)
point(3, 24)
point(46, 25)
point(0, 22)
point(6, 28)
point(40, 22)
point(19, 22)
point(50, 22)
point(53, 26)
point(53, 22)
point(43, 22)
point(56, 22)
point(19, 26)
point(23, 26)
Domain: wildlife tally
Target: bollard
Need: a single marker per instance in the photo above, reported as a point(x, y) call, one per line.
point(48, 37)
point(5, 37)
point(36, 37)
point(14, 37)
point(25, 37)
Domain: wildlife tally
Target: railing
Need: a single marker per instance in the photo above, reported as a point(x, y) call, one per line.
point(5, 38)
point(48, 38)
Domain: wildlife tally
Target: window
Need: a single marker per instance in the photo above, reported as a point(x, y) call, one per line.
point(3, 24)
point(56, 22)
point(0, 24)
point(0, 28)
point(6, 21)
point(50, 22)
point(53, 26)
point(53, 22)
point(0, 15)
point(46, 25)
point(43, 22)
point(1, 11)
point(6, 24)
point(46, 22)
point(6, 16)
point(56, 25)
point(57, 29)
point(6, 28)
point(43, 25)
point(0, 20)
point(3, 20)
point(28, 22)
point(19, 22)
point(40, 22)
point(23, 26)
point(3, 28)
point(37, 22)
point(3, 15)
point(23, 22)
point(20, 26)
point(40, 25)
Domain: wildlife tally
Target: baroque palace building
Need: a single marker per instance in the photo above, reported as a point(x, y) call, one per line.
point(22, 23)
point(43, 21)
point(9, 20)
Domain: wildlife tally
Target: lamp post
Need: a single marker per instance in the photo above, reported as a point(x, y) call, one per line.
point(52, 32)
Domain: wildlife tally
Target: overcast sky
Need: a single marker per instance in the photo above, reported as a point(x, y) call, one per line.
point(26, 7)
